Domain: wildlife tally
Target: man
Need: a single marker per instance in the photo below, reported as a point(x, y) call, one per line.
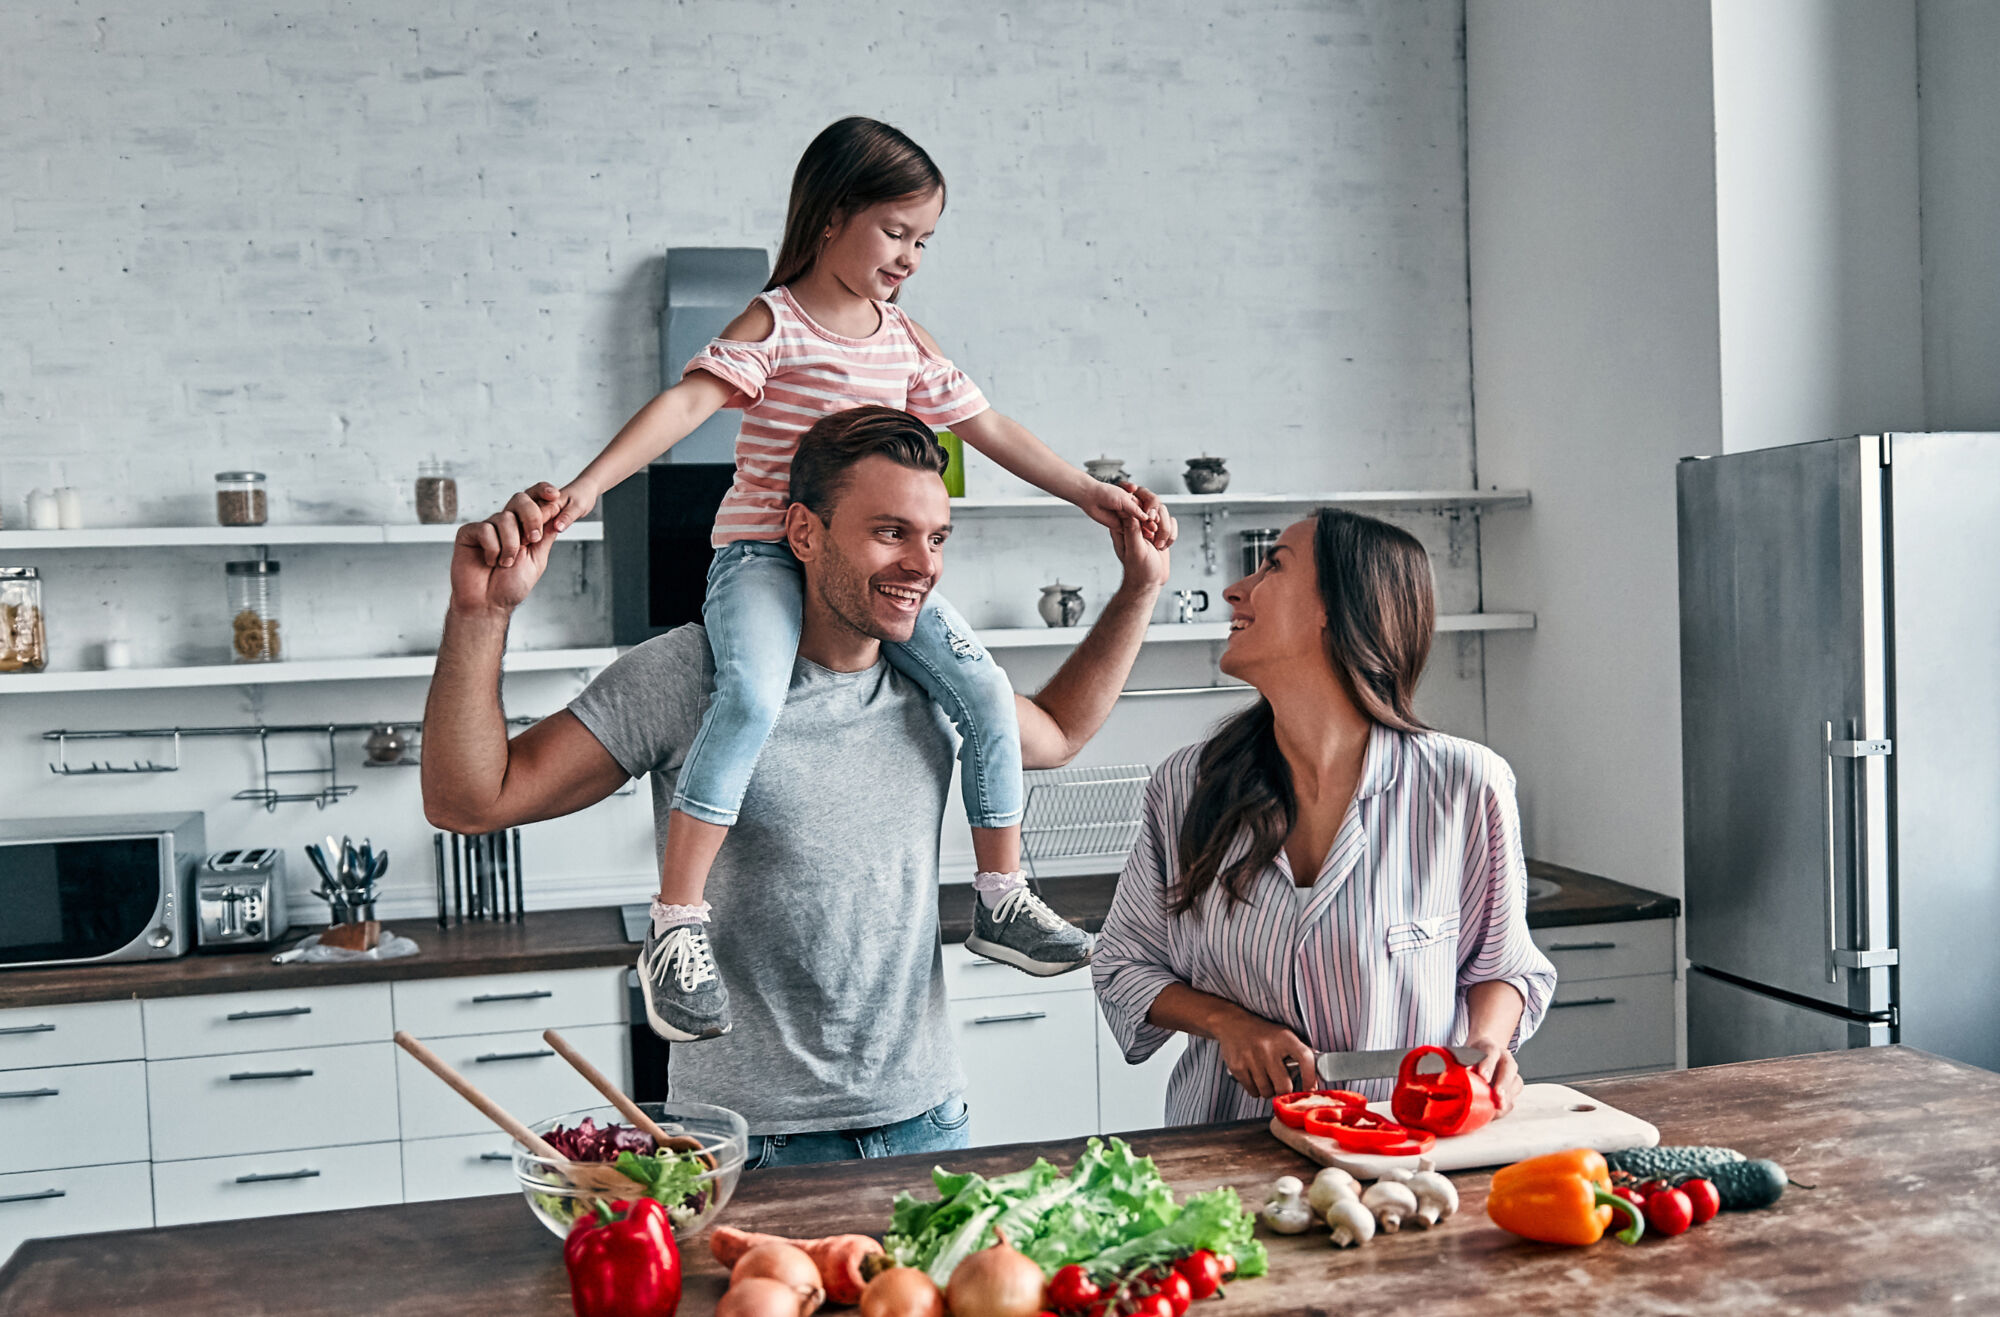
point(826, 892)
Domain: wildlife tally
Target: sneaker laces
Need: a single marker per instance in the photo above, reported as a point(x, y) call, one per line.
point(1022, 900)
point(685, 952)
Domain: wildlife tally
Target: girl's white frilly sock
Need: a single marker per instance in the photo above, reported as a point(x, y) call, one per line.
point(992, 887)
point(666, 916)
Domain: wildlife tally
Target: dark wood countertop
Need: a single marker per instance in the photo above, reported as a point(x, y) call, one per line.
point(543, 940)
point(577, 939)
point(1899, 1146)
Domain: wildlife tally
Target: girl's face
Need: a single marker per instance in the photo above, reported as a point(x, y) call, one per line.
point(872, 252)
point(1277, 619)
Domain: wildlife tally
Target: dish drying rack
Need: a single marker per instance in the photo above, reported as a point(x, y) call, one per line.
point(1078, 813)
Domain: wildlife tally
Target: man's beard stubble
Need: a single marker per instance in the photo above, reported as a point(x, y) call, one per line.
point(850, 597)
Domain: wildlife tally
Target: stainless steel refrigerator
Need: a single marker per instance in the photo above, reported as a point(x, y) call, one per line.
point(1840, 742)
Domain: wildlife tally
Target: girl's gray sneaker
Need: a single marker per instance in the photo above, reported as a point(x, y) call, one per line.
point(1023, 932)
point(685, 999)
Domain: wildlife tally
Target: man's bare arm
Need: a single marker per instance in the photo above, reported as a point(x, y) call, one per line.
point(1060, 718)
point(474, 778)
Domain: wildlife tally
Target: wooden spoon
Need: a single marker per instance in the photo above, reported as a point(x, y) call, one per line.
point(626, 1106)
point(591, 1178)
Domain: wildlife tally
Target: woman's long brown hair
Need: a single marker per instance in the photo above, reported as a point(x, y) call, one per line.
point(1381, 608)
point(850, 166)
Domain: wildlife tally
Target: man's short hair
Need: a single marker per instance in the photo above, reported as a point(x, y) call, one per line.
point(828, 452)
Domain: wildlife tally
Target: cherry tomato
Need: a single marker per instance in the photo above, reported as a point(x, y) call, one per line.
point(1630, 1195)
point(1203, 1273)
point(1177, 1291)
point(1704, 1198)
point(1228, 1263)
point(1154, 1305)
point(1072, 1287)
point(1668, 1212)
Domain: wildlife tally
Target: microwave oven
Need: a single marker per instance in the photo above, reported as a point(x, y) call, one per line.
point(95, 889)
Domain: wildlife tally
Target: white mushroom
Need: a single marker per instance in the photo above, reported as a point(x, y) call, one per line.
point(1329, 1186)
point(1390, 1202)
point(1352, 1225)
point(1397, 1174)
point(1437, 1198)
point(1285, 1209)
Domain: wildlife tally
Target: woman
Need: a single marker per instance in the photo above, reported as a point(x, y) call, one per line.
point(1324, 874)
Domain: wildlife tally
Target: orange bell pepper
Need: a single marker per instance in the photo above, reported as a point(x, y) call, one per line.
point(1560, 1198)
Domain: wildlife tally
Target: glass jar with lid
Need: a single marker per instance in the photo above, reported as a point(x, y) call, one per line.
point(253, 611)
point(437, 493)
point(24, 640)
point(239, 498)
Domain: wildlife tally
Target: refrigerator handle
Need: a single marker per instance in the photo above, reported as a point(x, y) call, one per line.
point(1838, 957)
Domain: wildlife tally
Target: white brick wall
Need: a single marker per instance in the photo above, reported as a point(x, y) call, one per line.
point(327, 239)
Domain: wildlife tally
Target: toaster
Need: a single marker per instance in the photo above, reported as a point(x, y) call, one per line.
point(240, 899)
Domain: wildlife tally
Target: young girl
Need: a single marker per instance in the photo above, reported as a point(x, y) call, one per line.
point(824, 336)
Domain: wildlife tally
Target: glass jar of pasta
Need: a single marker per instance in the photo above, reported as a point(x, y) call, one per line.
point(24, 639)
point(253, 610)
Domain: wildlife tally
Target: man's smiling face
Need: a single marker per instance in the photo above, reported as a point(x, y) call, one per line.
point(884, 548)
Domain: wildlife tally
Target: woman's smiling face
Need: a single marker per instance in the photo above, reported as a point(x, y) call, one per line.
point(1277, 616)
point(874, 252)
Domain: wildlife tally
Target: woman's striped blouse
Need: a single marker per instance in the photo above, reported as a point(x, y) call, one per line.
point(802, 371)
point(1423, 894)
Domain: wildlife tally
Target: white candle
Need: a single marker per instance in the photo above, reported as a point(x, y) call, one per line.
point(117, 653)
point(69, 509)
point(42, 511)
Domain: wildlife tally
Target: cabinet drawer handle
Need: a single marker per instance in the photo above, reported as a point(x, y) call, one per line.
point(1583, 1001)
point(31, 1092)
point(269, 1015)
point(269, 1074)
point(35, 1197)
point(1583, 946)
point(536, 995)
point(496, 1156)
point(535, 1055)
point(1010, 1019)
point(281, 1175)
point(26, 1028)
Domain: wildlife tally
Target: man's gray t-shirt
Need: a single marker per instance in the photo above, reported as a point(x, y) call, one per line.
point(825, 893)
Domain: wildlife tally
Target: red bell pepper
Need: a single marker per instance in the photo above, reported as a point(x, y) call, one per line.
point(623, 1266)
point(1291, 1108)
point(1448, 1102)
point(1357, 1129)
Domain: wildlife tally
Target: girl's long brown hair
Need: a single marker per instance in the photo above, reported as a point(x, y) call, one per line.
point(1381, 608)
point(850, 166)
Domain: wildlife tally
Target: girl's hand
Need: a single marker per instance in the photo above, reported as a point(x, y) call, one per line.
point(1160, 528)
point(1111, 505)
point(574, 501)
point(1256, 1051)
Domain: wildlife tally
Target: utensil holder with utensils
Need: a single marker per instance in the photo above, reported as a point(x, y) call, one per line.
point(483, 874)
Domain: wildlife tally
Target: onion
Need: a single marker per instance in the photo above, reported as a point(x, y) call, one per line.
point(781, 1262)
point(902, 1292)
point(761, 1296)
point(1000, 1281)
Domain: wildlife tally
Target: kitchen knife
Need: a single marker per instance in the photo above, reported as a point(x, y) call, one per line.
point(1342, 1067)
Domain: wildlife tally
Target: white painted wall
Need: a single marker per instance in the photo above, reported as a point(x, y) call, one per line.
point(325, 242)
point(1958, 114)
point(1591, 203)
point(1817, 221)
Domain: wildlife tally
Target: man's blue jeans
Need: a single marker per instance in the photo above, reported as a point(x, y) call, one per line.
point(944, 1127)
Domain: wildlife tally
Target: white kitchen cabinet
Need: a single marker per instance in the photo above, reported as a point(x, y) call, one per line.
point(518, 1070)
point(1614, 1004)
point(267, 1021)
point(76, 1201)
point(76, 1114)
point(500, 1003)
point(277, 1183)
point(1133, 1097)
point(465, 1166)
point(77, 1034)
point(214, 1106)
point(1030, 1065)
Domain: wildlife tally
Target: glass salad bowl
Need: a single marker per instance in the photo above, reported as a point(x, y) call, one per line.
point(693, 1185)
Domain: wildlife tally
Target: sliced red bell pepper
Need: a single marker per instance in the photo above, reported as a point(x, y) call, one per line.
point(1291, 1108)
point(1452, 1101)
point(1358, 1129)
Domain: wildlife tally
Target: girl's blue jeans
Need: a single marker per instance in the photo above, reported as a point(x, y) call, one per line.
point(753, 614)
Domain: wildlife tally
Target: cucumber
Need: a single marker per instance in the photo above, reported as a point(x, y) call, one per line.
point(1672, 1163)
point(1745, 1186)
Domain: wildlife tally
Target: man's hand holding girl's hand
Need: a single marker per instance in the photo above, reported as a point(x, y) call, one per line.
point(496, 562)
point(1109, 504)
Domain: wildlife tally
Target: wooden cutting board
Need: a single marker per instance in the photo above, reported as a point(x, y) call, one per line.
point(1547, 1118)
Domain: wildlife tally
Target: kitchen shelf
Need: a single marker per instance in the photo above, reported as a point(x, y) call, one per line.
point(1216, 632)
point(287, 672)
point(1372, 498)
point(248, 537)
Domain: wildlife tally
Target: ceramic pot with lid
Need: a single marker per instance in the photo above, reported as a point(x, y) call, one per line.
point(1061, 605)
point(1205, 475)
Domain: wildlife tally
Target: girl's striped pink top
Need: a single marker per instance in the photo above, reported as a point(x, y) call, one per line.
point(1423, 894)
point(801, 372)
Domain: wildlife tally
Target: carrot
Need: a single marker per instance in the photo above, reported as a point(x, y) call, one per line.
point(838, 1257)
